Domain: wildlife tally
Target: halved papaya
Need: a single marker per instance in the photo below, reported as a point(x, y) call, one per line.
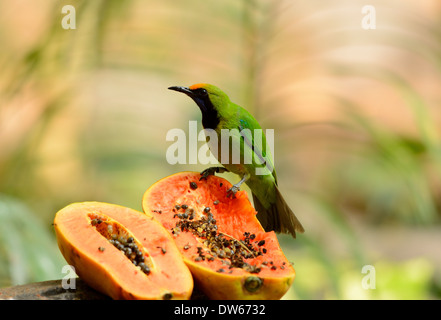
point(222, 242)
point(122, 252)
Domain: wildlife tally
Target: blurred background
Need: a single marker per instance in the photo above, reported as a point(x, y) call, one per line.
point(356, 113)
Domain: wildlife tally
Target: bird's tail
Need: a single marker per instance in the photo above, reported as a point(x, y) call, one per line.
point(278, 217)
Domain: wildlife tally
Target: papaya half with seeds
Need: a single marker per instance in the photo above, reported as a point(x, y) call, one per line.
point(222, 242)
point(122, 252)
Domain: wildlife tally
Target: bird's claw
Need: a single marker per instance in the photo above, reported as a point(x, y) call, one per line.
point(211, 172)
point(206, 173)
point(232, 191)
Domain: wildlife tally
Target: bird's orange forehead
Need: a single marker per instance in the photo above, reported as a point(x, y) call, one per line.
point(197, 86)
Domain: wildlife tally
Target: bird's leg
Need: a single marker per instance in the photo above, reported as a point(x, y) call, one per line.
point(211, 171)
point(236, 187)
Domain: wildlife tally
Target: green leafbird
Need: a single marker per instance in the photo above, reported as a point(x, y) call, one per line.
point(255, 166)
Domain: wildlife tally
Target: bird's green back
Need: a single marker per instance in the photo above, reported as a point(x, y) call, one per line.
point(233, 116)
point(261, 148)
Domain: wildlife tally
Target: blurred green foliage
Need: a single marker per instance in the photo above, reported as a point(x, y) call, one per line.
point(84, 114)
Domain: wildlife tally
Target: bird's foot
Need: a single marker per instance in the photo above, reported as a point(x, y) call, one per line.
point(211, 172)
point(232, 191)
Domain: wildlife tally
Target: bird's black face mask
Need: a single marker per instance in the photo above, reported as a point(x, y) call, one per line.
point(210, 118)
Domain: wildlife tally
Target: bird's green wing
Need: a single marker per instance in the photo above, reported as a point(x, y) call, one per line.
point(255, 140)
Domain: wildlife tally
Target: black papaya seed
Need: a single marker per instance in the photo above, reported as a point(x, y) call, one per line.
point(193, 185)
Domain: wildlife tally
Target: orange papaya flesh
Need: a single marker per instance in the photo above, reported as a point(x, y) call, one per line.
point(222, 242)
point(122, 252)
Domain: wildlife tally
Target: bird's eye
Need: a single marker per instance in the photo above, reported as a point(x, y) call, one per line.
point(202, 92)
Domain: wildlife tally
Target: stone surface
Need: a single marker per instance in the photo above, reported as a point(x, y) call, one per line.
point(53, 290)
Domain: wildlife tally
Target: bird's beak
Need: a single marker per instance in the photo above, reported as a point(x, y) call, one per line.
point(185, 90)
